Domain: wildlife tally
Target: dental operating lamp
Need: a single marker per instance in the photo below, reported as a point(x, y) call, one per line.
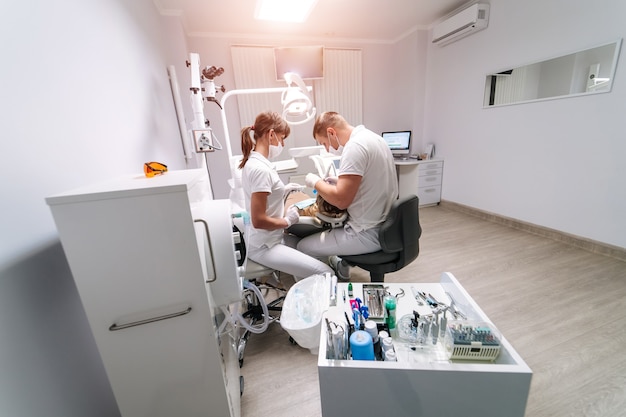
point(297, 104)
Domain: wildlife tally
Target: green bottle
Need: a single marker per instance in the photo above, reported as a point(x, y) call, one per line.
point(350, 292)
point(390, 310)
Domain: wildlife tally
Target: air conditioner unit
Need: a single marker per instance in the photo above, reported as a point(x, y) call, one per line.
point(461, 24)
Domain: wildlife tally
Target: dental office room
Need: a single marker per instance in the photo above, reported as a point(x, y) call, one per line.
point(111, 296)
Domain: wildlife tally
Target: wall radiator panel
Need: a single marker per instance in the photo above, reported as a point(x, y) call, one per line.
point(340, 89)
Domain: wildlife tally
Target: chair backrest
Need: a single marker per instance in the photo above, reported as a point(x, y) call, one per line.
point(401, 231)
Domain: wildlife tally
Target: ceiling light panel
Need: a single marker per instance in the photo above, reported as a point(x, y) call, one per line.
point(284, 10)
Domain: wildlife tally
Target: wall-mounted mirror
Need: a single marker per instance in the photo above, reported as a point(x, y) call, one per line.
point(589, 71)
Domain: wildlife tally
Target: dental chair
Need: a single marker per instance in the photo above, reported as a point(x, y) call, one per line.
point(399, 239)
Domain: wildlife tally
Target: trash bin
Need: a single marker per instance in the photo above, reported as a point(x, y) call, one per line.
point(303, 307)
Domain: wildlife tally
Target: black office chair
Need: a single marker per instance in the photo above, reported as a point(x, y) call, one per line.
point(399, 238)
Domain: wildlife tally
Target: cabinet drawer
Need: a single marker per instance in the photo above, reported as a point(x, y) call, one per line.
point(429, 195)
point(430, 166)
point(430, 172)
point(429, 180)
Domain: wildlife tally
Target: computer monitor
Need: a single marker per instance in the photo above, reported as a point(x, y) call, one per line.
point(399, 142)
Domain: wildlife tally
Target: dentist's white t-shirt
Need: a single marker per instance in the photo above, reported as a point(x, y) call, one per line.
point(366, 154)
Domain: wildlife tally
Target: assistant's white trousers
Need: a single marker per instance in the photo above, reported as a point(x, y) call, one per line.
point(285, 258)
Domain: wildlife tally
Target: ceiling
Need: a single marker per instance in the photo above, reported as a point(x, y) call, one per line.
point(378, 21)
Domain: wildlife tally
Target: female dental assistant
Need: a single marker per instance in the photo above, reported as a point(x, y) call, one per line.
point(264, 198)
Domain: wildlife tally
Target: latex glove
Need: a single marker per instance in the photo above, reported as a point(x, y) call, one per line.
point(311, 179)
point(292, 216)
point(292, 186)
point(331, 180)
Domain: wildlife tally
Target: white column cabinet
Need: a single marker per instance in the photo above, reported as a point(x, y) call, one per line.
point(422, 178)
point(132, 249)
point(430, 173)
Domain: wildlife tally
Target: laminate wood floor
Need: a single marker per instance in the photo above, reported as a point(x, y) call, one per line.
point(563, 309)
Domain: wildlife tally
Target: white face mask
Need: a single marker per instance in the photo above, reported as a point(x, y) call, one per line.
point(333, 151)
point(275, 150)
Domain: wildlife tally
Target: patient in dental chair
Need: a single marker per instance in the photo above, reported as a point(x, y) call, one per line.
point(320, 213)
point(319, 206)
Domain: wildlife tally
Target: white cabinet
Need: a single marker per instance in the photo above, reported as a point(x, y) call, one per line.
point(423, 382)
point(422, 178)
point(429, 174)
point(133, 252)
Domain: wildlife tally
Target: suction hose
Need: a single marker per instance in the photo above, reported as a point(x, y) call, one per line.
point(259, 328)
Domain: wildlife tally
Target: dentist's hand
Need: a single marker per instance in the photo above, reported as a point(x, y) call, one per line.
point(331, 180)
point(311, 179)
point(292, 216)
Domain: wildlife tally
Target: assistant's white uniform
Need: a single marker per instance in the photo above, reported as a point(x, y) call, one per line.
point(365, 154)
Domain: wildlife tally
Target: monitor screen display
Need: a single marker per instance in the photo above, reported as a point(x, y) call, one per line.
point(399, 142)
point(306, 61)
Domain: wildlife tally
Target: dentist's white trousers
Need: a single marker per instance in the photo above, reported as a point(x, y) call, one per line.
point(340, 241)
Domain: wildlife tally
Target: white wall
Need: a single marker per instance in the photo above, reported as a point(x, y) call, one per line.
point(85, 97)
point(385, 102)
point(556, 163)
point(390, 70)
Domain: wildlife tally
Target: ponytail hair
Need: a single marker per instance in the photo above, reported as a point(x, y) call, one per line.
point(247, 144)
point(263, 123)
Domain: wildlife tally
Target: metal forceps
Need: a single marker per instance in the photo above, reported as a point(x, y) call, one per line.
point(398, 295)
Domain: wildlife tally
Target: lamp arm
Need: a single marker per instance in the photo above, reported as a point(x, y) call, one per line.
point(291, 77)
point(243, 91)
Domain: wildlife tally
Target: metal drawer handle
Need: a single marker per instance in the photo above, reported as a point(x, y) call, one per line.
point(208, 239)
point(115, 326)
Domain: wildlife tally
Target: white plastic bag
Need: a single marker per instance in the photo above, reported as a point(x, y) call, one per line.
point(301, 316)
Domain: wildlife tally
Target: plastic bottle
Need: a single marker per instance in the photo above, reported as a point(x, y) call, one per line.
point(350, 291)
point(361, 346)
point(390, 312)
point(387, 344)
point(372, 329)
